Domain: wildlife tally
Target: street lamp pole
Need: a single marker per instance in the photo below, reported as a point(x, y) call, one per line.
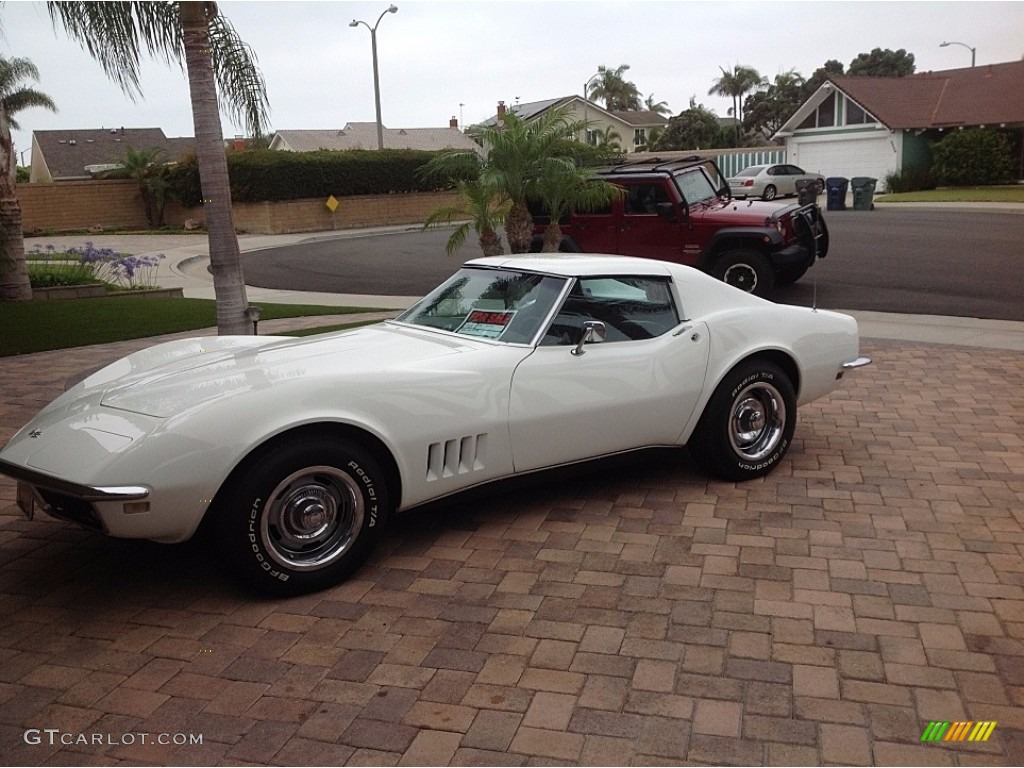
point(376, 77)
point(586, 105)
point(965, 45)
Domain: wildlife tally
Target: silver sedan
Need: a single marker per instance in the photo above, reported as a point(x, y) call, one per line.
point(771, 181)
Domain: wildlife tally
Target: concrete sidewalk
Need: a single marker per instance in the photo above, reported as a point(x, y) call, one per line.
point(187, 262)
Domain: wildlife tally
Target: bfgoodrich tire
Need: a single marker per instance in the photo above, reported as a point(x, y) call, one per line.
point(748, 424)
point(747, 270)
point(303, 516)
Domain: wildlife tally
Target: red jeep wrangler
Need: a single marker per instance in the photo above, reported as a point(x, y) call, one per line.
point(682, 211)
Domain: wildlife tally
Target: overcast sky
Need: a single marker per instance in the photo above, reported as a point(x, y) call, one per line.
point(444, 59)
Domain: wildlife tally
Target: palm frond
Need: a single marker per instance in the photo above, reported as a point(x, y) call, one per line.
point(241, 87)
point(117, 33)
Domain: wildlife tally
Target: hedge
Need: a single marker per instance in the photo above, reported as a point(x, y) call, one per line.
point(266, 175)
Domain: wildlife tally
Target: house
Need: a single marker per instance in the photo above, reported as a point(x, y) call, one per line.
point(75, 155)
point(364, 136)
point(632, 128)
point(873, 126)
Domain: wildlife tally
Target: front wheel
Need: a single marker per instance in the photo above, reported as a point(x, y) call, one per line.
point(747, 270)
point(748, 423)
point(304, 516)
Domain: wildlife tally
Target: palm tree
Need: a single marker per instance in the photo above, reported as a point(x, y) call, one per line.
point(515, 155)
point(485, 212)
point(609, 139)
point(143, 165)
point(736, 84)
point(564, 187)
point(115, 34)
point(614, 90)
point(14, 97)
point(658, 107)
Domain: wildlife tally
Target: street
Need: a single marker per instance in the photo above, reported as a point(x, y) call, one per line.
point(919, 261)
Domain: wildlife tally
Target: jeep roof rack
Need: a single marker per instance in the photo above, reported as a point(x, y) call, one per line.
point(657, 164)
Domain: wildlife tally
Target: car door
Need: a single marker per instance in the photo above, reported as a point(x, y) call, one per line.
point(642, 230)
point(636, 388)
point(596, 231)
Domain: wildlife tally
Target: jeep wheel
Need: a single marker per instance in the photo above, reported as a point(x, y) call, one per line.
point(789, 275)
point(747, 270)
point(769, 193)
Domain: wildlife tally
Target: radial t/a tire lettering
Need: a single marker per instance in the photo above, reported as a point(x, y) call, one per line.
point(748, 424)
point(302, 516)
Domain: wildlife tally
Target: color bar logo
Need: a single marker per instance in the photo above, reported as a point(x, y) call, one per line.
point(958, 731)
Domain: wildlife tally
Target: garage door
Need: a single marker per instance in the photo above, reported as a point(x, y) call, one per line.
point(839, 156)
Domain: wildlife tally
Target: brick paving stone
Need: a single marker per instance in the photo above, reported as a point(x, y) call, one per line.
point(871, 584)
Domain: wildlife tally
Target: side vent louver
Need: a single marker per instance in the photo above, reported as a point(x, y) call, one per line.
point(456, 456)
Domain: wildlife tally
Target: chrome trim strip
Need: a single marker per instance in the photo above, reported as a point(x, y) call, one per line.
point(75, 490)
point(860, 362)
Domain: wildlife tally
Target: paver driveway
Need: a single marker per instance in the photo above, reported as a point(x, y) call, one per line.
point(640, 614)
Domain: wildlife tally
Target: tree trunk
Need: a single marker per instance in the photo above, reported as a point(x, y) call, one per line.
point(519, 228)
point(552, 236)
point(490, 242)
point(14, 282)
point(225, 256)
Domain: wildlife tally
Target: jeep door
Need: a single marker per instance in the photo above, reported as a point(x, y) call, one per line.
point(645, 232)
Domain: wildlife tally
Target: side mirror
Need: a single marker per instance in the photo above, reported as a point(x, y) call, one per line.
point(666, 211)
point(594, 331)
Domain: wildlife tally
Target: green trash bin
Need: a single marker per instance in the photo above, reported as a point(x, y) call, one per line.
point(863, 192)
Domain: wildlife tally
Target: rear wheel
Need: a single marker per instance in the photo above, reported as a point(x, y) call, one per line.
point(303, 516)
point(747, 270)
point(748, 424)
point(769, 192)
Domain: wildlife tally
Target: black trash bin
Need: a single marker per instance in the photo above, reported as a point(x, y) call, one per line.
point(863, 193)
point(806, 191)
point(835, 190)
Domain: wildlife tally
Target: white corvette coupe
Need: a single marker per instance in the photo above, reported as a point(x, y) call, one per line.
point(296, 451)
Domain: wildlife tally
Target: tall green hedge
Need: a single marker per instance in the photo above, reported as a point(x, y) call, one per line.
point(265, 175)
point(972, 157)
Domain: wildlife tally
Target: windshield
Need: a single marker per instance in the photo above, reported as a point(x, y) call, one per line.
point(696, 187)
point(488, 304)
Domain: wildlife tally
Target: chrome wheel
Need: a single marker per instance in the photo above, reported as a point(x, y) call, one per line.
point(769, 193)
point(757, 421)
point(312, 518)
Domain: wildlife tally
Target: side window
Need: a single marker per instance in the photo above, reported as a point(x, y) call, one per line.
point(632, 309)
point(643, 199)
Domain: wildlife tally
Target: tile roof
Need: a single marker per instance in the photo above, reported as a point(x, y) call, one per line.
point(364, 136)
point(66, 153)
point(990, 94)
point(642, 117)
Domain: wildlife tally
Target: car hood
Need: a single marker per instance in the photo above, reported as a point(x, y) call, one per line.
point(746, 212)
point(173, 378)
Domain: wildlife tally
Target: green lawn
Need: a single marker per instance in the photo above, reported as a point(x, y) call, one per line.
point(1013, 193)
point(36, 326)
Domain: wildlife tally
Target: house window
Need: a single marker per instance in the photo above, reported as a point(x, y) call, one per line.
point(592, 136)
point(824, 116)
point(639, 137)
point(857, 116)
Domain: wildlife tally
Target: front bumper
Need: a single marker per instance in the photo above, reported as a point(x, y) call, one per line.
point(67, 500)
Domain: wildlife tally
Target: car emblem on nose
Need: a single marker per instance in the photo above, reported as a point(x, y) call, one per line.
point(35, 433)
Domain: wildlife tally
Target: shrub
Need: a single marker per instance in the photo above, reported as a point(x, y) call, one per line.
point(909, 180)
point(265, 175)
point(973, 157)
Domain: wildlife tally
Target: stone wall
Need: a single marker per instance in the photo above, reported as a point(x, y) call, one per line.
point(115, 204)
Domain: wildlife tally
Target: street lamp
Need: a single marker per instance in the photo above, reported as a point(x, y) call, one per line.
point(586, 103)
point(376, 78)
point(965, 45)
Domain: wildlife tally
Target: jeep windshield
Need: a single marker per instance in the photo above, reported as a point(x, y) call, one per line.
point(701, 184)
